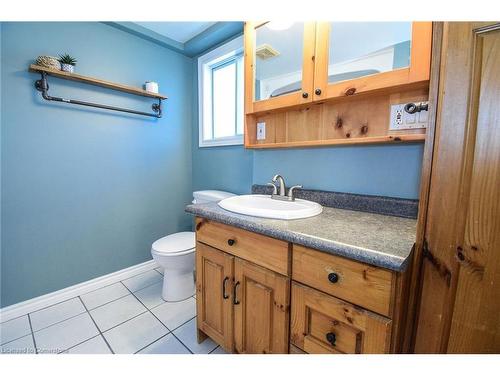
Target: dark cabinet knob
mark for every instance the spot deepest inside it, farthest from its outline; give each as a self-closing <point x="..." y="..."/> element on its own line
<point x="231" y="242"/>
<point x="317" y="91"/>
<point x="331" y="338"/>
<point x="333" y="277"/>
<point x="305" y="95"/>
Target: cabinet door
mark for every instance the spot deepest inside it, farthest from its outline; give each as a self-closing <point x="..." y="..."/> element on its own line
<point x="325" y="324"/>
<point x="459" y="305"/>
<point x="261" y="309"/>
<point x="214" y="275"/>
<point x="355" y="57"/>
<point x="279" y="64"/>
<point x="475" y="327"/>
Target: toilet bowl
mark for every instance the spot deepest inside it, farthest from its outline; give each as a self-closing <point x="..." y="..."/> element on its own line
<point x="175" y="253"/>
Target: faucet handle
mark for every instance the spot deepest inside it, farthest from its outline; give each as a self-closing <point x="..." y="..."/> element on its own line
<point x="291" y="191"/>
<point x="275" y="188"/>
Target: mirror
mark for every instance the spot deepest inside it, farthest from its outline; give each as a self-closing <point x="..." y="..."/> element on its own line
<point x="358" y="49"/>
<point x="278" y="59"/>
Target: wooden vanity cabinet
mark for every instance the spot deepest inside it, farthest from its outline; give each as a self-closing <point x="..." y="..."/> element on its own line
<point x="256" y="294"/>
<point x="321" y="323"/>
<point x="356" y="282"/>
<point x="339" y="305"/>
<point x="241" y="304"/>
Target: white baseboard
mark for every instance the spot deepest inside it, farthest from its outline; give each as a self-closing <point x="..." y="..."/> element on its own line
<point x="25" y="307"/>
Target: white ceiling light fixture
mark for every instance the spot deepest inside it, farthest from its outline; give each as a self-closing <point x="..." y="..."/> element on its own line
<point x="279" y="25"/>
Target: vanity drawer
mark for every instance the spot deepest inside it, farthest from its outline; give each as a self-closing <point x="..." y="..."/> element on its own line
<point x="359" y="283"/>
<point x="264" y="251"/>
<point x="321" y="323"/>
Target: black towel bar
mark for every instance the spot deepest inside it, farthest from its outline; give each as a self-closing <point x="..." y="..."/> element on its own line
<point x="43" y="86"/>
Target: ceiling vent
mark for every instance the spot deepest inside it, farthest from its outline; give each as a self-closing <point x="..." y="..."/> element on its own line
<point x="265" y="51"/>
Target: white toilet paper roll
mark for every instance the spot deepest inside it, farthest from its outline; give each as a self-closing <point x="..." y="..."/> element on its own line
<point x="152" y="87"/>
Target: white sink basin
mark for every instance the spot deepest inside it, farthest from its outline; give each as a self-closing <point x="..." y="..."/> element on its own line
<point x="264" y="206"/>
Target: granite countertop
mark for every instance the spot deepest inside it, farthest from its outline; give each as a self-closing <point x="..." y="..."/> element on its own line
<point x="379" y="240"/>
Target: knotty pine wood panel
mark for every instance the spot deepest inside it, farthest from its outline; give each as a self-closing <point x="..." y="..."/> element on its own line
<point x="262" y="250"/>
<point x="475" y="326"/>
<point x="359" y="283"/>
<point x="357" y="330"/>
<point x="261" y="318"/>
<point x="356" y="118"/>
<point x="442" y="271"/>
<point x="438" y="264"/>
<point x="407" y="333"/>
<point x="214" y="313"/>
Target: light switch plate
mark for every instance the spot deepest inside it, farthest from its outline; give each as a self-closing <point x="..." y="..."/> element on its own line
<point x="400" y="119"/>
<point x="261" y="131"/>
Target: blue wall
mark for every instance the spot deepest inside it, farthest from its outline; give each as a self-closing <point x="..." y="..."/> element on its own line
<point x="85" y="192"/>
<point x="392" y="170"/>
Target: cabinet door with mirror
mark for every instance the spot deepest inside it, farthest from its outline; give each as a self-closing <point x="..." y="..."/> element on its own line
<point x="279" y="64"/>
<point x="355" y="57"/>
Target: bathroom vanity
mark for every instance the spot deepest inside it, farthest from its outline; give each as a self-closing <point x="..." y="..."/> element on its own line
<point x="333" y="283"/>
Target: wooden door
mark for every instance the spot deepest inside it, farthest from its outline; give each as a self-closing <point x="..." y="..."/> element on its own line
<point x="322" y="324"/>
<point x="379" y="60"/>
<point x="261" y="309"/>
<point x="214" y="275"/>
<point x="289" y="85"/>
<point x="460" y="294"/>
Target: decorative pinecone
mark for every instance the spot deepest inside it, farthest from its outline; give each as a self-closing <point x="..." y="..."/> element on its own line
<point x="48" y="62"/>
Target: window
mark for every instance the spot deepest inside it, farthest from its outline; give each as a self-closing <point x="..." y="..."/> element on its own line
<point x="220" y="92"/>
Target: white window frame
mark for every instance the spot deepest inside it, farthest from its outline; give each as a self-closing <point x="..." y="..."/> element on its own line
<point x="205" y="64"/>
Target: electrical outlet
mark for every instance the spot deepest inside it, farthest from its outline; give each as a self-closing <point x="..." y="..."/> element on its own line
<point x="400" y="119"/>
<point x="423" y="116"/>
<point x="261" y="131"/>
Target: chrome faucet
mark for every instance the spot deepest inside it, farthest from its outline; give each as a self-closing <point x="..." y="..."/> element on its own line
<point x="281" y="181"/>
<point x="279" y="192"/>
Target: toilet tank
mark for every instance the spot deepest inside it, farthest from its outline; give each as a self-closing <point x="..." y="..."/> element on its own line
<point x="205" y="196"/>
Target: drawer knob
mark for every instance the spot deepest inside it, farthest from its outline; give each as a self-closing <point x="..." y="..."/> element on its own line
<point x="331" y="338"/>
<point x="333" y="277"/>
<point x="231" y="242"/>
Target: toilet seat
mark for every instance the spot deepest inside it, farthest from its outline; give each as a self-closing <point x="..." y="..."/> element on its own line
<point x="178" y="253"/>
<point x="175" y="244"/>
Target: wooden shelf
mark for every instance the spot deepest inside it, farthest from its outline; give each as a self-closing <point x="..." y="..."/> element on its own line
<point x="95" y="81"/>
<point x="403" y="138"/>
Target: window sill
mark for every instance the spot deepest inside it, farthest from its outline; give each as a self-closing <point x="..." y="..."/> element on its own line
<point x="233" y="141"/>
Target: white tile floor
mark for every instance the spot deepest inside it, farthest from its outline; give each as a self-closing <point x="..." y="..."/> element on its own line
<point x="127" y="317"/>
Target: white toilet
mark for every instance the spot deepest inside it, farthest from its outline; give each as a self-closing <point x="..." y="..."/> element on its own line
<point x="175" y="254"/>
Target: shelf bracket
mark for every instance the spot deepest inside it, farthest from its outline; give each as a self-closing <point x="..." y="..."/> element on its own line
<point x="43" y="86"/>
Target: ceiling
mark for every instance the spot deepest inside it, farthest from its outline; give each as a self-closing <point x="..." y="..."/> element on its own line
<point x="179" y="31"/>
